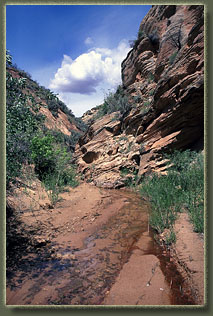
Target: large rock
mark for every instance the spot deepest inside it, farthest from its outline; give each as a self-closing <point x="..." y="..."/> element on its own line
<point x="175" y="116"/>
<point x="163" y="75"/>
<point x="105" y="155"/>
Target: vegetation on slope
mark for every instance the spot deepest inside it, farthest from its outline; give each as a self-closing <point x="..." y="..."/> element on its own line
<point x="29" y="142"/>
<point x="182" y="189"/>
<point x="114" y="102"/>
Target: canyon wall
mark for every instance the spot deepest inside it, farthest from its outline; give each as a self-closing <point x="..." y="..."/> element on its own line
<point x="163" y="77"/>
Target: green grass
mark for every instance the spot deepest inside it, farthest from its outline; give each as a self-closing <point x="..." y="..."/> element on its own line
<point x="182" y="189"/>
<point x="170" y="238"/>
<point x="57" y="182"/>
<point x="164" y="201"/>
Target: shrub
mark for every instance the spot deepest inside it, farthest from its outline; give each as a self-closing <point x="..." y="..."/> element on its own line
<point x="102" y="111"/>
<point x="141" y="149"/>
<point x="73" y="139"/>
<point x="147" y="103"/>
<point x="8" y="58"/>
<point x="43" y="155"/>
<point x="114" y="102"/>
<point x="81" y="125"/>
<point x="141" y="34"/>
<point x="21" y="125"/>
<point x="52" y="164"/>
<point x="137" y="98"/>
<point x="134" y="43"/>
<point x="129" y="147"/>
<point x="68" y="141"/>
<point x="146" y="107"/>
<point x="154" y="38"/>
<point x="29" y="141"/>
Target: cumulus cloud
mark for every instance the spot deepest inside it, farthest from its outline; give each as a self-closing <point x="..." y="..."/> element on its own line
<point x="98" y="66"/>
<point x="80" y="103"/>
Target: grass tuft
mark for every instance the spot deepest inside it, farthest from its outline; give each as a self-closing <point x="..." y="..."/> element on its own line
<point x="181" y="189"/>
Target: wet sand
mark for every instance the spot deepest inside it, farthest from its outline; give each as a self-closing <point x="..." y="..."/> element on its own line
<point x="93" y="248"/>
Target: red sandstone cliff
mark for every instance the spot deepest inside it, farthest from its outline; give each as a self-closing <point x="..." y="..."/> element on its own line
<point x="164" y="74"/>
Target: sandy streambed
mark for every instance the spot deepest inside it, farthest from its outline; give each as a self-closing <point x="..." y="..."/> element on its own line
<point x="93" y="248"/>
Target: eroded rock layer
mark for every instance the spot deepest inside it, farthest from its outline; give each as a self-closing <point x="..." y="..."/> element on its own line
<point x="163" y="76"/>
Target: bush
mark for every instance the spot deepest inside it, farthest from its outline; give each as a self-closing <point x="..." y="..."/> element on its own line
<point x="21" y="125"/>
<point x="154" y="38"/>
<point x="8" y="58"/>
<point x="68" y="141"/>
<point x="43" y="155"/>
<point x="170" y="238"/>
<point x="141" y="34"/>
<point x="52" y="164"/>
<point x="151" y="93"/>
<point x="80" y="124"/>
<point x="114" y="102"/>
<point x="73" y="139"/>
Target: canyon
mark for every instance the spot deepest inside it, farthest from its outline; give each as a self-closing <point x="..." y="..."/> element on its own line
<point x="94" y="245"/>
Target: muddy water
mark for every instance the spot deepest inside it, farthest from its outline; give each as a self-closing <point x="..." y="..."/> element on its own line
<point x="68" y="275"/>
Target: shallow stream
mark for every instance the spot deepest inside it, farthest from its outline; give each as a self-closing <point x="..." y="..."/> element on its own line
<point x="83" y="276"/>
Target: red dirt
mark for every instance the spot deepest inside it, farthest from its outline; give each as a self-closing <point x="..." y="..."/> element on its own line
<point x="93" y="248"/>
<point x="189" y="254"/>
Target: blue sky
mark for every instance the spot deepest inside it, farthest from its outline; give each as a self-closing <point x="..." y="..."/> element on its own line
<point x="75" y="50"/>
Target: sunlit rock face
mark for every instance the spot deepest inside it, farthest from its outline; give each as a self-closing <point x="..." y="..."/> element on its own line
<point x="163" y="75"/>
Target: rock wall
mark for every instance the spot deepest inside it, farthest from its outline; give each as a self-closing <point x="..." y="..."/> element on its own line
<point x="163" y="75"/>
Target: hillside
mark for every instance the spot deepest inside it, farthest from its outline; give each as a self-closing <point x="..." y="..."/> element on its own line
<point x="57" y="114"/>
<point x="158" y="108"/>
<point x="35" y="112"/>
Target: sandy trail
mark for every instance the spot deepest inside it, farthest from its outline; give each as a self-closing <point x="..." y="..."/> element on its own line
<point x="93" y="248"/>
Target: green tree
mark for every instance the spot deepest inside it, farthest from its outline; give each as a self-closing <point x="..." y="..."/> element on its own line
<point x="43" y="155"/>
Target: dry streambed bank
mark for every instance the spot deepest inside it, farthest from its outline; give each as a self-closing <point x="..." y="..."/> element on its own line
<point x="94" y="248"/>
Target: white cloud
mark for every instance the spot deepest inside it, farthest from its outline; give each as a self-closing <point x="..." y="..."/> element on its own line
<point x="98" y="67"/>
<point x="79" y="103"/>
<point x="88" y="41"/>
